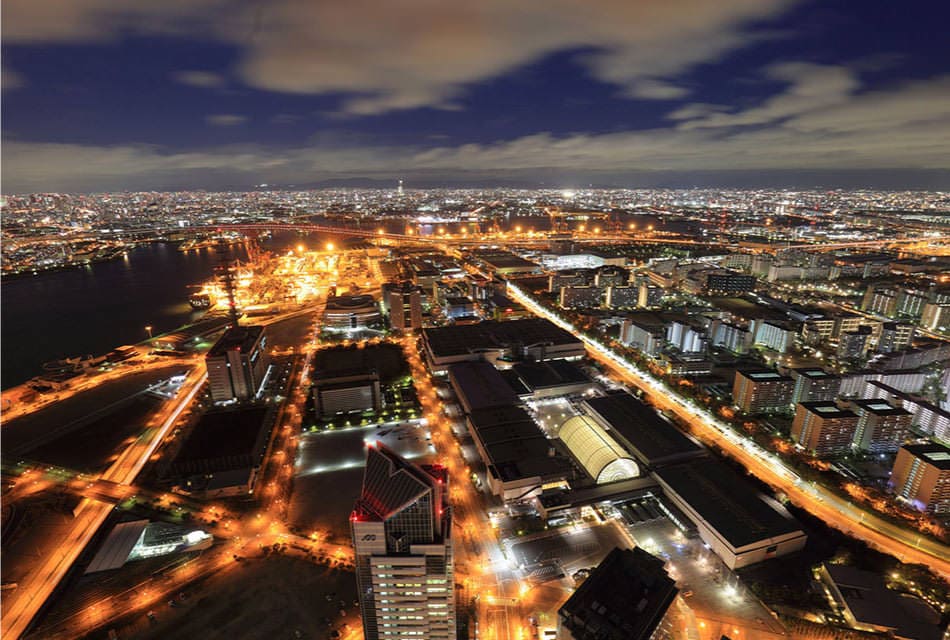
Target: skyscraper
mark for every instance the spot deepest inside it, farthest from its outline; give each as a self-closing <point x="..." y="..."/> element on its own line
<point x="401" y="526"/>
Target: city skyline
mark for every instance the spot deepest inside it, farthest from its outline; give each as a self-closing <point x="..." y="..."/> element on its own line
<point x="220" y="94"/>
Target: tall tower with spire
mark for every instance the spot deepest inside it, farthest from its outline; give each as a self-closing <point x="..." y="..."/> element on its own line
<point x="399" y="191"/>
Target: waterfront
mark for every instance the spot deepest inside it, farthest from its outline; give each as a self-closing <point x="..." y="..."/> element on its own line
<point x="96" y="308"/>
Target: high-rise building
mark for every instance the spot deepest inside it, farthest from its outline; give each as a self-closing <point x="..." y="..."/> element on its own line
<point x="584" y="297"/>
<point x="814" y="384"/>
<point x="762" y="391"/>
<point x="895" y="336"/>
<point x="935" y="316"/>
<point x="237" y="364"/>
<point x="402" y="541"/>
<point x="649" y="296"/>
<point x="824" y="428"/>
<point x="882" y="426"/>
<point x="853" y="345"/>
<point x="921" y="475"/>
<point x="405" y="306"/>
<point x="776" y="336"/>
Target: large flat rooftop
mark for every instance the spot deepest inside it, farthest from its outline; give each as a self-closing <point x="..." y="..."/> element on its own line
<point x="240" y="338"/>
<point x="488" y="335"/>
<point x="480" y="385"/>
<point x="641" y="429"/>
<point x="552" y="373"/>
<point x="729" y="503"/>
<point x="515" y="445"/>
<point x="223" y="440"/>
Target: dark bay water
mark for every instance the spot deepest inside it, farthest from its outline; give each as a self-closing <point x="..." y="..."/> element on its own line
<point x="96" y="308"/>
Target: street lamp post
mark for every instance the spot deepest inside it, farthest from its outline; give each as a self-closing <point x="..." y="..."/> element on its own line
<point x="148" y="329"/>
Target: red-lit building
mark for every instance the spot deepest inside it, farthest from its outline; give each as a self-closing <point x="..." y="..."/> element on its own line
<point x="402" y="539"/>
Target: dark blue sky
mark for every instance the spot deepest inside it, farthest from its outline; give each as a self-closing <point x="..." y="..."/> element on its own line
<point x="227" y="93"/>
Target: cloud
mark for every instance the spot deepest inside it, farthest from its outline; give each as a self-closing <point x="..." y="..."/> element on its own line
<point x="811" y="87"/>
<point x="656" y="90"/>
<point x="73" y="21"/>
<point x="906" y="127"/>
<point x="10" y="79"/>
<point x="386" y="56"/>
<point x="225" y="119"/>
<point x="202" y="79"/>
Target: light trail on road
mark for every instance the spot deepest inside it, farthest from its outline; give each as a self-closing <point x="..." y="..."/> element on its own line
<point x="906" y="545"/>
<point x="37" y="588"/>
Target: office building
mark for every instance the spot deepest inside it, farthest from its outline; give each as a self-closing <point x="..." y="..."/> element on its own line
<point x="237" y="364"/>
<point x="813" y="384"/>
<point x="625" y="598"/>
<point x="882" y="426"/>
<point x="824" y="428"/>
<point x="405" y="306"/>
<point x="921" y="476"/>
<point x="762" y="391"/>
<point x="402" y="543"/>
<point x="347" y="392"/>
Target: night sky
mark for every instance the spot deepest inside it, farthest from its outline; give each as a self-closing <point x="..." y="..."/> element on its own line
<point x="165" y="94"/>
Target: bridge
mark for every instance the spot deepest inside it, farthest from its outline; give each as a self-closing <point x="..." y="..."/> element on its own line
<point x="517" y="238"/>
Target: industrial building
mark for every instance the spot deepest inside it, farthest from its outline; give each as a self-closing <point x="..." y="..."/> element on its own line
<point x="652" y="440"/>
<point x="223" y="453"/>
<point x="741" y="526"/>
<point x="551" y="378"/>
<point x="596" y="451"/>
<point x="402" y="542"/>
<point x="237" y="364"/>
<point x="527" y="339"/>
<point x="518" y="457"/>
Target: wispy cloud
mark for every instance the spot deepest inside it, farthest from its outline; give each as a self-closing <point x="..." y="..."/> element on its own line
<point x="225" y="119"/>
<point x="390" y="56"/>
<point x="201" y="79"/>
<point x="906" y="127"/>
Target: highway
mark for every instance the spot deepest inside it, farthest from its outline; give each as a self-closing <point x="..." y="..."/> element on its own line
<point x="902" y="543"/>
<point x="22" y="605"/>
<point x="486" y="572"/>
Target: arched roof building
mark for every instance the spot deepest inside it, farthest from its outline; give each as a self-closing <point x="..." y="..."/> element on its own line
<point x="599" y="454"/>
